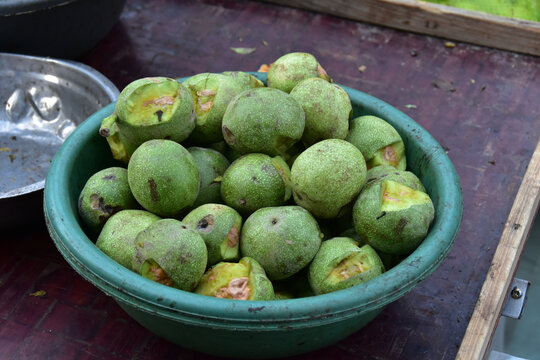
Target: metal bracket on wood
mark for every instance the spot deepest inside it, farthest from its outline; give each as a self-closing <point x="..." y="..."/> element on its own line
<point x="517" y="296"/>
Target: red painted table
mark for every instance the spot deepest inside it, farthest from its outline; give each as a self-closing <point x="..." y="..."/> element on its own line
<point x="481" y="104"/>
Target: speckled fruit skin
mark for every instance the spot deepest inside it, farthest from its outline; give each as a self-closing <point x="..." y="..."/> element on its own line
<point x="331" y="255"/>
<point x="392" y="232"/>
<point x="371" y="134"/>
<point x="211" y="94"/>
<point x="388" y="172"/>
<point x="263" y="120"/>
<point x="327" y="176"/>
<point x="290" y="69"/>
<point x="221" y="274"/>
<point x="170" y="115"/>
<point x="177" y="249"/>
<point x="255" y="181"/>
<point x="389" y="260"/>
<point x="327" y="107"/>
<point x="104" y="194"/>
<point x="247" y="80"/>
<point x="211" y="166"/>
<point x="117" y="238"/>
<point x="163" y="177"/>
<point x="219" y="226"/>
<point x="283" y="239"/>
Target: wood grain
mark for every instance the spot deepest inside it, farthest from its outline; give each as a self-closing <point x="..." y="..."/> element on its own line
<point x="477" y="339"/>
<point x="434" y="19"/>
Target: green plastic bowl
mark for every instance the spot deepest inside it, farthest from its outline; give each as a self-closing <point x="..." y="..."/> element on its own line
<point x="250" y="329"/>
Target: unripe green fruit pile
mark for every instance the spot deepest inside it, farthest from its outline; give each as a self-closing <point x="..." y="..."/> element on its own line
<point x="236" y="190"/>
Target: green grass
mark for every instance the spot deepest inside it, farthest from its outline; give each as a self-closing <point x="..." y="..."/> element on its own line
<point x="519" y="9"/>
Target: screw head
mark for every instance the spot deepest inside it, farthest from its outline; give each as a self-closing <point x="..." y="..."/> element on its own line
<point x="516" y="293"/>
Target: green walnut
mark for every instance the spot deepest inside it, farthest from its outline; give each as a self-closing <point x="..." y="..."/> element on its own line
<point x="283" y="239"/>
<point x="117" y="238"/>
<point x="219" y="226"/>
<point x="327" y="107"/>
<point x="391" y="217"/>
<point x="148" y="108"/>
<point x="104" y="194"/>
<point x="163" y="177"/>
<point x="263" y="120"/>
<point x="327" y="176"/>
<point x="245" y="280"/>
<point x="389" y="260"/>
<point x="388" y="172"/>
<point x="255" y="181"/>
<point x="290" y="69"/>
<point x="378" y="141"/>
<point x="170" y="253"/>
<point x="341" y="263"/>
<point x="246" y="80"/>
<point x="211" y="94"/>
<point x="211" y="166"/>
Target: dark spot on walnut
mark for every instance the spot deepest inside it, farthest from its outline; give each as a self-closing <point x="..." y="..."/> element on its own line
<point x="105" y="132"/>
<point x="98" y="203"/>
<point x="184" y="257"/>
<point x="401" y="225"/>
<point x="274" y="221"/>
<point x="109" y="177"/>
<point x="229" y="136"/>
<point x="203" y="223"/>
<point x="159" y="114"/>
<point x="154" y="194"/>
<point x="381" y="215"/>
<point x="268" y="169"/>
<point x="206" y="224"/>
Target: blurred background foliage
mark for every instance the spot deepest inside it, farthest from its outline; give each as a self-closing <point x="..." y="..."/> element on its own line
<point x="519" y="9"/>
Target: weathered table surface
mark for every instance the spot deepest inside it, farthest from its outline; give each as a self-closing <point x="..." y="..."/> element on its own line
<point x="481" y="104"/>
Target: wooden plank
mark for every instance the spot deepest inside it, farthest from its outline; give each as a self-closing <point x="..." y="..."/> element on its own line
<point x="487" y="312"/>
<point x="434" y="19"/>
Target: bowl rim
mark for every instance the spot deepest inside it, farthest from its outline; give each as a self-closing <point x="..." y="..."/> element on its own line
<point x="132" y="289"/>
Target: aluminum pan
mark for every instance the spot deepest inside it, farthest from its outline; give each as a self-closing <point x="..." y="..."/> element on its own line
<point x="16" y="7"/>
<point x="42" y="101"/>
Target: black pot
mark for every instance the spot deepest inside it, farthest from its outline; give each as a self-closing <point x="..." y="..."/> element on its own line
<point x="56" y="28"/>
